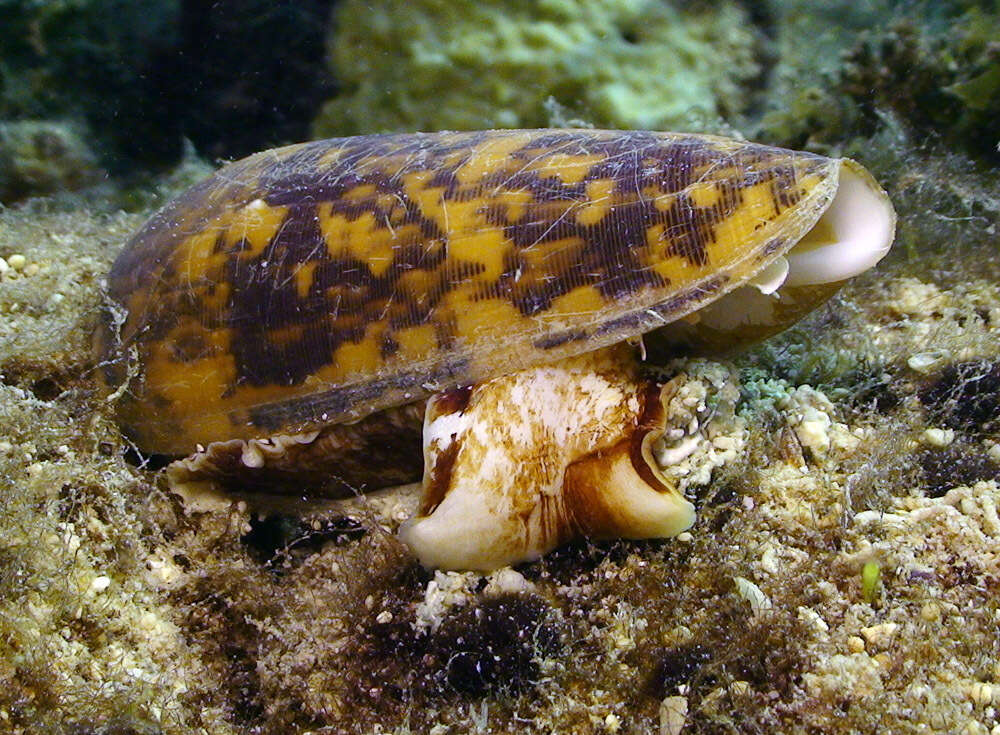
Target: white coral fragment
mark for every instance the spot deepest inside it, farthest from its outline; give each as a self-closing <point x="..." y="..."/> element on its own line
<point x="759" y="602"/>
<point x="810" y="416"/>
<point x="702" y="431"/>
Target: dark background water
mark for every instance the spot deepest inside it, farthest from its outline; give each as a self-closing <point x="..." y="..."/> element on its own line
<point x="232" y="77"/>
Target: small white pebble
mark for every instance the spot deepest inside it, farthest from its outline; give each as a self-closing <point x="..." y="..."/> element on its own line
<point x="673" y="715"/>
<point x="930" y="611"/>
<point x="32" y="269"/>
<point x="99" y="584"/>
<point x="370" y="602"/>
<point x="507" y="581"/>
<point x="684" y="536"/>
<point x="855" y="644"/>
<point x="925" y="362"/>
<point x="677" y="635"/>
<point x="739" y="688"/>
<point x="981" y="694"/>
<point x="752" y="594"/>
<point x="769" y="560"/>
<point x="612" y="723"/>
<point x="991" y="521"/>
<point x="17" y="261"/>
<point x="880" y="635"/>
<point x="813" y="619"/>
<point x="5" y="446"/>
<point x="813" y="433"/>
<point x="882" y="659"/>
<point x="4" y="266"/>
<point x="876" y="516"/>
<point x="383" y="617"/>
<point x="938" y="437"/>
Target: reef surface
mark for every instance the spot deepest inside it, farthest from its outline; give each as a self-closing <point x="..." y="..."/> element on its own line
<point x="844" y="571"/>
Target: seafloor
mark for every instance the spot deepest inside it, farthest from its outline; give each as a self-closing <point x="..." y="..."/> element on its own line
<point x="844" y="572"/>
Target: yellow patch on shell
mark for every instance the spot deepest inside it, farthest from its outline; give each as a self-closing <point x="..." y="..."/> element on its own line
<point x="337" y="278"/>
<point x="254" y="226"/>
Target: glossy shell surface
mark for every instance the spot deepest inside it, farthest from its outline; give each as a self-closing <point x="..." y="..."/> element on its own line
<point x="322" y="282"/>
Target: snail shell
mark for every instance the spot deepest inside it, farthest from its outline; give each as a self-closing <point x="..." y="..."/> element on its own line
<point x="321" y="283"/>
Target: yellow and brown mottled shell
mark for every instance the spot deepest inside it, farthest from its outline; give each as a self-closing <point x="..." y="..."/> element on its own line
<point x="322" y="282"/>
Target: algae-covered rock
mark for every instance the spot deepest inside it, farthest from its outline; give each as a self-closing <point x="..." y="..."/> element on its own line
<point x="941" y="82"/>
<point x="40" y="157"/>
<point x="910" y="96"/>
<point x="810" y="37"/>
<point x="432" y="65"/>
<point x="88" y="642"/>
<point x="91" y="60"/>
<point x="933" y="69"/>
<point x="145" y="75"/>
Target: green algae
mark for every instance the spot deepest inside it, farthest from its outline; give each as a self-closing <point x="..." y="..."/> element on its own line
<point x="433" y="65"/>
<point x="871" y="575"/>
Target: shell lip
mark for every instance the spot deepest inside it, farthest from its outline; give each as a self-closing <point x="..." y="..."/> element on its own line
<point x="854" y="232"/>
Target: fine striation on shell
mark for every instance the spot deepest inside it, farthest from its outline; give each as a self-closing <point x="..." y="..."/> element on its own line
<point x="323" y="282"/>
